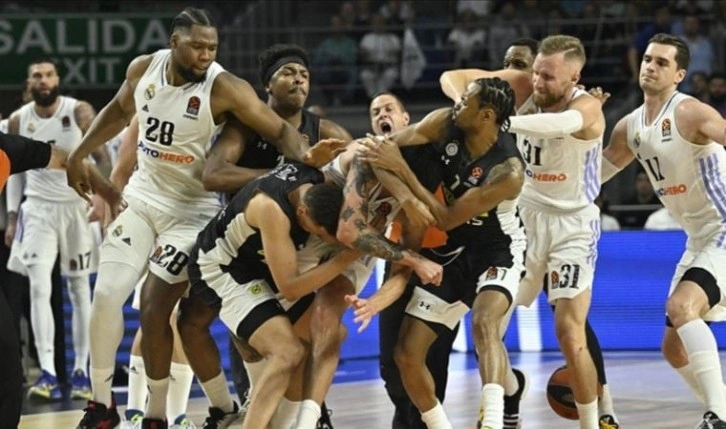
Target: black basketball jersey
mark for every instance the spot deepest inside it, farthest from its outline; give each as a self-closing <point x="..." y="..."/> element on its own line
<point x="230" y="242"/>
<point x="459" y="173"/>
<point x="263" y="154"/>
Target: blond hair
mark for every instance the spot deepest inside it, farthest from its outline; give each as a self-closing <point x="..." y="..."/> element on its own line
<point x="571" y="46"/>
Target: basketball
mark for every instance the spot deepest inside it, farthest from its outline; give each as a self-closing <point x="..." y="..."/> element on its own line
<point x="560" y="396"/>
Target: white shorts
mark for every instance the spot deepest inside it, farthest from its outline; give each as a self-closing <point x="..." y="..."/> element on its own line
<point x="46" y="228"/>
<point x="315" y="250"/>
<point x="713" y="260"/>
<point x="144" y="236"/>
<point x="564" y="248"/>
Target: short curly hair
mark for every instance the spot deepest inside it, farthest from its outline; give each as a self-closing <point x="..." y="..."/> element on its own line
<point x="270" y="56"/>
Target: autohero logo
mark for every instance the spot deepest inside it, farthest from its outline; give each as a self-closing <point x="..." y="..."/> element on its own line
<point x="669" y="191"/>
<point x="545" y="177"/>
<point x="165" y="156"/>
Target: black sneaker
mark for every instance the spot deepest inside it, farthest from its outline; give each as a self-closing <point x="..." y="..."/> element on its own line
<point x="608" y="422"/>
<point x="154" y="424"/>
<point x="511" y="403"/>
<point x="711" y="421"/>
<point x="218" y="419"/>
<point x="98" y="416"/>
<point x="324" y="422"/>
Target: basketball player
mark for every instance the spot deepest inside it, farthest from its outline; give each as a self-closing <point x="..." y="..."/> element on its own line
<point x="54" y="220"/>
<point x="180" y="95"/>
<point x="245" y="260"/>
<point x="520" y="56"/>
<point x="181" y="375"/>
<point x="481" y="172"/>
<point x="678" y="141"/>
<point x="388" y="115"/>
<point x="240" y="155"/>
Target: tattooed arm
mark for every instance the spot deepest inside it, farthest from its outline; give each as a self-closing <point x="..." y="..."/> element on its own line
<point x="355" y="232"/>
<point x="504" y="182"/>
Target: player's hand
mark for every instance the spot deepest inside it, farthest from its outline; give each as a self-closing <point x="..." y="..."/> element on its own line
<point x="417" y="212"/>
<point x="77" y="176"/>
<point x="363" y="309"/>
<point x="382" y="153"/>
<point x="428" y="271"/>
<point x="97" y="209"/>
<point x="116" y="204"/>
<point x="323" y="152"/>
<point x="598" y="93"/>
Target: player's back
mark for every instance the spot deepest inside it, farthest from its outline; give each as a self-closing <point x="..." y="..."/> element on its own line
<point x="229" y="239"/>
<point x="689" y="179"/>
<point x="176" y="127"/>
<point x="60" y="130"/>
<point x="562" y="174"/>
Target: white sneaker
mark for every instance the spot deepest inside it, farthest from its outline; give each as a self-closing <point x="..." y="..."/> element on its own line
<point x="182" y="422"/>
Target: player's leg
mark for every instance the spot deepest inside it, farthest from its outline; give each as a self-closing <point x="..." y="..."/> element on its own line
<point x="327" y="334"/>
<point x="697" y="292"/>
<point x="77" y="246"/>
<point x="495" y="292"/>
<point x="164" y="286"/>
<point x="195" y="317"/>
<point x="181" y="376"/>
<point x="410" y="352"/>
<point x="136" y="399"/>
<point x="123" y="259"/>
<point x="38" y="251"/>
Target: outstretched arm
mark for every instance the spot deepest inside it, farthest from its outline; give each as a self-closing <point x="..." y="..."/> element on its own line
<point x="580" y="115"/>
<point x="454" y="82"/>
<point x="431" y="128"/>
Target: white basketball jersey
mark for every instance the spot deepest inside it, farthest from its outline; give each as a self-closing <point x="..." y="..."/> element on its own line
<point x="689" y="179"/>
<point x="60" y="130"/>
<point x="4" y="126"/>
<point x="175" y="129"/>
<point x="113" y="146"/>
<point x="562" y="174"/>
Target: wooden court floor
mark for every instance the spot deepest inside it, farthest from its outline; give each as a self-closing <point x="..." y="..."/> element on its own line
<point x="647" y="392"/>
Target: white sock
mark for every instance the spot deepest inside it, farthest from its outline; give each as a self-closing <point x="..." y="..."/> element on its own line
<point x="101" y="379"/>
<point x="492" y="402"/>
<point x="704" y="362"/>
<point x="41" y="315"/>
<point x="605" y="404"/>
<point x="511" y="384"/>
<point x="137" y="384"/>
<point x="435" y="418"/>
<point x="181" y="376"/>
<point x="286" y="414"/>
<point x="309" y="415"/>
<point x="79" y="291"/>
<point x="158" y="389"/>
<point x="588" y="415"/>
<point x="687" y="375"/>
<point x="254" y="371"/>
<point x="218" y="394"/>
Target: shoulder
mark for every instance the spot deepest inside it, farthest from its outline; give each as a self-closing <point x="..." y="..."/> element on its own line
<point x="691" y="113"/>
<point x="139" y="65"/>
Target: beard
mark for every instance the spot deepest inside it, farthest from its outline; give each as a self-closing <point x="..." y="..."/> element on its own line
<point x="188" y="74"/>
<point x="546" y="100"/>
<point x="45" y="100"/>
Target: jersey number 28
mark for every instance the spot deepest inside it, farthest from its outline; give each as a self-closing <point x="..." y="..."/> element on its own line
<point x="162" y="131"/>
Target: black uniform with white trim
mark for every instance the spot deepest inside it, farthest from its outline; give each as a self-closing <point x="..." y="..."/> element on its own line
<point x="485" y="252"/>
<point x="227" y="267"/>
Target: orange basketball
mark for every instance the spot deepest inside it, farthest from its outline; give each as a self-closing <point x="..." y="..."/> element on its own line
<point x="560" y="396"/>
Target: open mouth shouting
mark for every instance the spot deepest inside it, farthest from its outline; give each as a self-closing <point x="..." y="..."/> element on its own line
<point x="386" y="127"/>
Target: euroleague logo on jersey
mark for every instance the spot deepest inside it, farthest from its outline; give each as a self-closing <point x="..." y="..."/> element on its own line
<point x="193" y="105"/>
